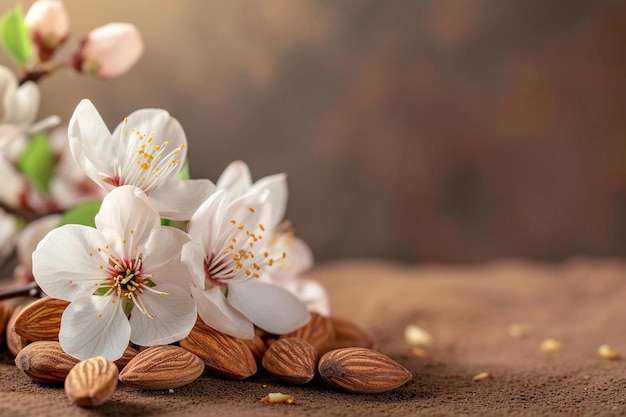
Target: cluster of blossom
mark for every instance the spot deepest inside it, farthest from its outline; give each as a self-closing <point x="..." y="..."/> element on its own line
<point x="38" y="172"/>
<point x="165" y="249"/>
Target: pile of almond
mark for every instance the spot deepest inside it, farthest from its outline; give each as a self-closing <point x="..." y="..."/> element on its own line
<point x="335" y="349"/>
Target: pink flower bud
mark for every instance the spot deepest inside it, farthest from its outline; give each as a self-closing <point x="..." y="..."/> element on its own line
<point x="49" y="25"/>
<point x="109" y="50"/>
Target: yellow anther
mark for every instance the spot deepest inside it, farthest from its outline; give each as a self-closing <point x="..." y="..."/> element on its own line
<point x="251" y="209"/>
<point x="262" y="228"/>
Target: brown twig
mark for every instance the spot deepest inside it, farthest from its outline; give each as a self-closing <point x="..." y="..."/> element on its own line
<point x="31" y="289"/>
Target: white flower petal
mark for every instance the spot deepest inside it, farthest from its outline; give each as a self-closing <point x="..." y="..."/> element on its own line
<point x="277" y="196"/>
<point x="298" y="260"/>
<point x="66" y="263"/>
<point x="157" y="123"/>
<point x="215" y="312"/>
<point x="92" y="146"/>
<point x="205" y="224"/>
<point x="45" y="124"/>
<point x="126" y="214"/>
<point x="162" y="256"/>
<point x="25" y="105"/>
<point x="94" y="326"/>
<point x="178" y="199"/>
<point x="13" y="183"/>
<point x="235" y="179"/>
<point x="313" y="295"/>
<point x="172" y="316"/>
<point x="268" y="306"/>
<point x="31" y="235"/>
<point x="251" y="211"/>
<point x="192" y="256"/>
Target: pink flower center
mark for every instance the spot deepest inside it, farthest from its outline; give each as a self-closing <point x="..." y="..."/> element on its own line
<point x="126" y="276"/>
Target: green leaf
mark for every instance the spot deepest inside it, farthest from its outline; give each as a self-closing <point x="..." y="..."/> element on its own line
<point x="84" y="213"/>
<point x="102" y="291"/>
<point x="184" y="171"/>
<point x="38" y="162"/>
<point x="165" y="222"/>
<point x="14" y="36"/>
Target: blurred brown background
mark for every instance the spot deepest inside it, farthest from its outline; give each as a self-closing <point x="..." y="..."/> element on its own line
<point x="442" y="130"/>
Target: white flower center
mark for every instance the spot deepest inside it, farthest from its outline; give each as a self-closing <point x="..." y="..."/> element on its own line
<point x="243" y="251"/>
<point x="127" y="280"/>
<point x="127" y="276"/>
<point x="147" y="164"/>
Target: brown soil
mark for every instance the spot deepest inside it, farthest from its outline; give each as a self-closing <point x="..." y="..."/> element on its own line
<point x="581" y="303"/>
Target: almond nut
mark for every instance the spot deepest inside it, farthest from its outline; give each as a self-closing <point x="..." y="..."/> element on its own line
<point x="318" y="331"/>
<point x="291" y="360"/>
<point x="162" y="367"/>
<point x="6" y="311"/>
<point x="45" y="361"/>
<point x="128" y="354"/>
<point x="362" y="371"/>
<point x="15" y="342"/>
<point x="223" y="355"/>
<point x="277" y="398"/>
<point x="257" y="347"/>
<point x="41" y="320"/>
<point x="91" y="382"/>
<point x="348" y="334"/>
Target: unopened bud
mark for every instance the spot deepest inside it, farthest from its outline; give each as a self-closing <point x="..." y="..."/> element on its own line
<point x="109" y="51"/>
<point x="49" y="25"/>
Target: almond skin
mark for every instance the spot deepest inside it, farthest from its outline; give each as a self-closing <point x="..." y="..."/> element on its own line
<point x="6" y="311"/>
<point x="162" y="367"/>
<point x="257" y="347"/>
<point x="45" y="362"/>
<point x="41" y="320"/>
<point x="348" y="334"/>
<point x="91" y="382"/>
<point x="15" y="342"/>
<point x="128" y="354"/>
<point x="223" y="355"/>
<point x="362" y="371"/>
<point x="291" y="360"/>
<point x="318" y="331"/>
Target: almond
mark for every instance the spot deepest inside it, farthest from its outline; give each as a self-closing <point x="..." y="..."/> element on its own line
<point x="128" y="354"/>
<point x="291" y="360"/>
<point x="223" y="355"/>
<point x="41" y="320"/>
<point x="15" y="342"/>
<point x="362" y="371"/>
<point x="91" y="382"/>
<point x="45" y="361"/>
<point x="348" y="334"/>
<point x="257" y="347"/>
<point x="162" y="367"/>
<point x="318" y="331"/>
<point x="6" y="311"/>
